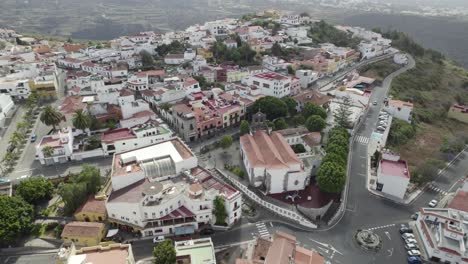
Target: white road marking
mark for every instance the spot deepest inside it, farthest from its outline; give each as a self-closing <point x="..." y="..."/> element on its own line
<point x="324" y="250"/>
<point x="388" y="235"/>
<point x="390" y="252"/>
<point x="362" y="139"/>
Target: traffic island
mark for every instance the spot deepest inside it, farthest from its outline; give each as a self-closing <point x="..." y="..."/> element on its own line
<point x="368" y="240"/>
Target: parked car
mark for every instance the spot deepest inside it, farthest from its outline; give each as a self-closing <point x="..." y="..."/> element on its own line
<point x="22" y="177"/>
<point x="11" y="148"/>
<point x="382" y="128"/>
<point x="411" y="247"/>
<point x="405" y="229"/>
<point x="4" y="180"/>
<point x="415" y="216"/>
<point x="158" y="239"/>
<point x="383" y="123"/>
<point x="433" y="203"/>
<point x="33" y="138"/>
<point x="206" y="231"/>
<point x="407" y="236"/>
<point x="411" y="241"/>
<point x="414" y="260"/>
<point x="414" y="252"/>
<point x="374" y="103"/>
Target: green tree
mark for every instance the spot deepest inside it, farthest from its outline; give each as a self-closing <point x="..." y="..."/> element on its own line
<point x="75" y="192"/>
<point x="315" y="123"/>
<point x="298" y="120"/>
<point x="271" y="106"/>
<point x="165" y="106"/>
<point x="35" y="190"/>
<point x="146" y="58"/>
<point x="219" y="210"/>
<point x="16" y="217"/>
<point x="204" y="84"/>
<point x="280" y="124"/>
<point x="291" y="70"/>
<point x="427" y="171"/>
<point x="312" y="109"/>
<point x="336" y="158"/>
<point x="400" y="132"/>
<point x="164" y="253"/>
<point x="331" y="177"/>
<point x="47" y="151"/>
<point x="226" y="141"/>
<point x="10" y="158"/>
<point x="298" y="148"/>
<point x="22" y="127"/>
<point x="92" y="177"/>
<point x="338" y="149"/>
<point x="322" y="32"/>
<point x="276" y="50"/>
<point x="343" y="113"/>
<point x="73" y="195"/>
<point x="82" y="120"/>
<point x="291" y="104"/>
<point x="50" y="116"/>
<point x="244" y="127"/>
<point x="17" y="138"/>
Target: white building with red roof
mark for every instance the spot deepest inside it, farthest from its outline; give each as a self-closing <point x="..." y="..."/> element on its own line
<point x="271" y="162"/>
<point x="443" y="233"/>
<point x="393" y="175"/>
<point x="159" y="190"/>
<point x="400" y="109"/>
<point x="271" y="83"/>
<point x="125" y="139"/>
<point x="61" y="144"/>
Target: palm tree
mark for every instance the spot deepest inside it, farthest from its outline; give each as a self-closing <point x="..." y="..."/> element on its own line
<point x="22" y="126"/>
<point x="47" y="151"/>
<point x="17" y="138"/>
<point x="82" y="120"/>
<point x="50" y="116"/>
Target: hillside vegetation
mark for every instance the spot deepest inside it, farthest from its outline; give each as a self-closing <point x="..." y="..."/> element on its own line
<point x="432" y="86"/>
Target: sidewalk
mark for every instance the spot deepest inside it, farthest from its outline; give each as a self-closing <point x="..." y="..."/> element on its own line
<point x="417" y="235"/>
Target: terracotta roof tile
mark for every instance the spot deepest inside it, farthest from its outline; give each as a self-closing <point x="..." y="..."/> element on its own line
<point x="92" y="206"/>
<point x="82" y="229"/>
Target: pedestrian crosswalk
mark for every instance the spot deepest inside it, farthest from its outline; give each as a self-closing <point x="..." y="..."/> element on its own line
<point x="262" y="230"/>
<point x="437" y="189"/>
<point x="362" y="139"/>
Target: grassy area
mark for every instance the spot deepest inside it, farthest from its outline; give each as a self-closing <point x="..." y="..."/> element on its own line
<point x="432" y="87"/>
<point x="379" y="70"/>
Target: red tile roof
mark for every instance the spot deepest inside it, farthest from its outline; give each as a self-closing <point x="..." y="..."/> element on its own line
<point x="72" y="103"/>
<point x="117" y="135"/>
<point x="151" y="73"/>
<point x="73" y="47"/>
<point x="395" y="168"/>
<point x="126" y="92"/>
<point x="271" y="76"/>
<point x="178" y="213"/>
<point x="271" y="151"/>
<point x="82" y="229"/>
<point x="92" y="206"/>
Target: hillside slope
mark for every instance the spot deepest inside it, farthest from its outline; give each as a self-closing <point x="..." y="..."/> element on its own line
<point x="433" y="86"/>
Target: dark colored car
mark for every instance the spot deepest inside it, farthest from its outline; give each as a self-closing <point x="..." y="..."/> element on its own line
<point x="11" y="148"/>
<point x="206" y="231"/>
<point x="404" y="230"/>
<point x="414" y="260"/>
